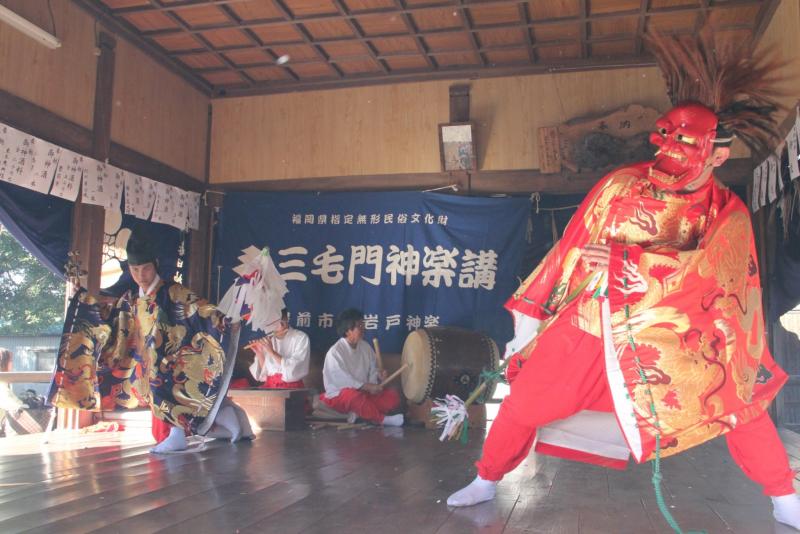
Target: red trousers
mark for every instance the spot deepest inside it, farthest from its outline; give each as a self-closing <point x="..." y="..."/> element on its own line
<point x="273" y="382"/>
<point x="160" y="429"/>
<point x="370" y="407"/>
<point x="550" y="386"/>
<point x="276" y="382"/>
<point x="240" y="383"/>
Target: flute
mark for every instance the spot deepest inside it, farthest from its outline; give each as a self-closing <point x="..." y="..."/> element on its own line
<point x="252" y="344"/>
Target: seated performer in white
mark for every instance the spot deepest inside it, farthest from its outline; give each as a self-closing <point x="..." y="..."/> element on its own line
<point x="282" y="358"/>
<point x="351" y="376"/>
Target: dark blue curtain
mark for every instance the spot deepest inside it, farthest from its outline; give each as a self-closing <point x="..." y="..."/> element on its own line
<point x="41" y="223"/>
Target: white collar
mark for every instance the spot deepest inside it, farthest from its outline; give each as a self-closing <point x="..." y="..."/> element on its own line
<point x="150" y="289"/>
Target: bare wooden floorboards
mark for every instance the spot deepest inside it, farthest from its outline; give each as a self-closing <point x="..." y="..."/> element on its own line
<point x="358" y="481"/>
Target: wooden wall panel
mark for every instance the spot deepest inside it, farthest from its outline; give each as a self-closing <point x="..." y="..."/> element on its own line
<point x="509" y="111"/>
<point x="362" y="131"/>
<point x="782" y="35"/>
<point x="62" y="80"/>
<point x="157" y="113"/>
<point x="392" y="129"/>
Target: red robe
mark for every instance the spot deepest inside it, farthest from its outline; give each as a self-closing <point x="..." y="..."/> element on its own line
<point x="683" y="310"/>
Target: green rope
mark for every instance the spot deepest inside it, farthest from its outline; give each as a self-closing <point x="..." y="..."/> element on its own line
<point x="464" y="434"/>
<point x="657" y="476"/>
<point x="492" y="375"/>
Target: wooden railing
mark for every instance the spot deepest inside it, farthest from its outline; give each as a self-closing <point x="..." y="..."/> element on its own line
<point x="67" y="419"/>
<point x="33" y="377"/>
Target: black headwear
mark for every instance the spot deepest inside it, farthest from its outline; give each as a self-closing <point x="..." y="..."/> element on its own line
<point x="141" y="247"/>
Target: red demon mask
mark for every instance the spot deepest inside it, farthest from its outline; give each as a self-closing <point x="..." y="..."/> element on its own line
<point x="684" y="137"/>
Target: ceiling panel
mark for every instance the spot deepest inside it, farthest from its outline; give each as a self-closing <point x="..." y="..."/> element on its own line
<point x="231" y="46"/>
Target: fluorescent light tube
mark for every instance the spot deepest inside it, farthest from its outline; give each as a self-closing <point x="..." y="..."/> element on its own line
<point x="28" y="28"/>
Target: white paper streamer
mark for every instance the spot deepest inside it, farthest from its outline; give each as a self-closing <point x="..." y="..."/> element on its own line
<point x="754" y="203"/>
<point x="772" y="191"/>
<point x="18" y="159"/>
<point x="762" y="198"/>
<point x="194" y="210"/>
<point x="791" y="143"/>
<point x="69" y="171"/>
<point x="43" y="168"/>
<point x="165" y="205"/>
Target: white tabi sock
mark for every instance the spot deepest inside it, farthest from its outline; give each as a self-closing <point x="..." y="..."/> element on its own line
<point x="479" y="490"/>
<point x="226" y="417"/>
<point x="176" y="441"/>
<point x="392" y="420"/>
<point x="786" y="510"/>
<point x="244" y="422"/>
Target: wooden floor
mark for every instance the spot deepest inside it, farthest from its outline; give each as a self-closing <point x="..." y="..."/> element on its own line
<point x="353" y="481"/>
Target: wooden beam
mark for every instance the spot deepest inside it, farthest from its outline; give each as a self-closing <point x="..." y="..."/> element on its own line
<point x="138" y="163"/>
<point x="88" y="220"/>
<point x="702" y="16"/>
<point x="208" y="46"/>
<point x="132" y="35"/>
<point x="197" y="277"/>
<point x="412" y="28"/>
<point x="411" y="53"/>
<point x="459" y="103"/>
<point x="441" y="74"/>
<point x="764" y="17"/>
<point x="44" y="124"/>
<point x="641" y="26"/>
<point x="513" y="182"/>
<point x="410" y="10"/>
<point x="584" y="28"/>
<point x="355" y="27"/>
<point x="25" y="377"/>
<point x="445" y="31"/>
<point x="469" y="25"/>
<point x="254" y="38"/>
<point x="301" y="29"/>
<point x="525" y="17"/>
<point x="175" y="4"/>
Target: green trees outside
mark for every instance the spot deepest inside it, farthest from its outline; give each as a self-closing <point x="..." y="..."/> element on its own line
<point x="31" y="297"/>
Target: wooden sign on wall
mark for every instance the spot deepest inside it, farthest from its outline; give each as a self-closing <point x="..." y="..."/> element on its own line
<point x="598" y="142"/>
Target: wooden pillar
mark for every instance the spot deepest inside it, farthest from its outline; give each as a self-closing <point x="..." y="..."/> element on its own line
<point x="200" y="240"/>
<point x="459" y="103"/>
<point x="199" y="254"/>
<point x="459" y="112"/>
<point x="88" y="220"/>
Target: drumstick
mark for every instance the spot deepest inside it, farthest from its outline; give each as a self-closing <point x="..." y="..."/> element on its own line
<point x="378" y="354"/>
<point x="394" y="375"/>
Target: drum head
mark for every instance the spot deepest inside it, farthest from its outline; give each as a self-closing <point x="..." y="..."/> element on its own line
<point x="417" y="378"/>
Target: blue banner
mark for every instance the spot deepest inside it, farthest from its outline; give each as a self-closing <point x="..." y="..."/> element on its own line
<point x="407" y="260"/>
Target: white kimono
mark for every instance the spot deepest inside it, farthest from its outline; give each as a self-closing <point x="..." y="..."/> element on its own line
<point x="294" y="349"/>
<point x="346" y="367"/>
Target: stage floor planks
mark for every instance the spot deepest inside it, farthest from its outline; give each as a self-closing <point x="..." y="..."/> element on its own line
<point x="355" y="481"/>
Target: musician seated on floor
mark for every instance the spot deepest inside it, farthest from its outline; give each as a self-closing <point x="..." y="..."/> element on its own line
<point x="351" y="376"/>
<point x="282" y="358"/>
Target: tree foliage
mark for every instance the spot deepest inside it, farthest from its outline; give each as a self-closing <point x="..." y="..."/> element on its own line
<point x="31" y="297"/>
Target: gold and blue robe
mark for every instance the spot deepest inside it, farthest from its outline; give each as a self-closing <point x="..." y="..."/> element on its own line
<point x="163" y="351"/>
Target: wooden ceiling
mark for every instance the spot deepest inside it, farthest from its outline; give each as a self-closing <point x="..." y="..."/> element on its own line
<point x="232" y="47"/>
